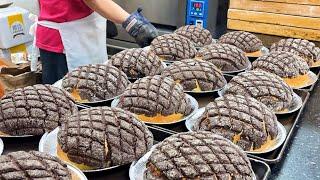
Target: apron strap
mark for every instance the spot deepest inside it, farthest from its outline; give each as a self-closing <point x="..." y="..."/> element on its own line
<point x="49" y="24"/>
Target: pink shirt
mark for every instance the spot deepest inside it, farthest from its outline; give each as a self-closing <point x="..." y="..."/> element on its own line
<point x="58" y="11"/>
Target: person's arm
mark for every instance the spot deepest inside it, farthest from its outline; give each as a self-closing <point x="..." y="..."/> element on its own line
<point x="108" y="9"/>
<point x="135" y="24"/>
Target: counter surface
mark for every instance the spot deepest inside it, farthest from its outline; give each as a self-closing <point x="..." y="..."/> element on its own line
<point x="302" y="158"/>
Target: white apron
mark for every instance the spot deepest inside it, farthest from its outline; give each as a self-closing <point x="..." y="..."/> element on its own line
<point x="84" y="40"/>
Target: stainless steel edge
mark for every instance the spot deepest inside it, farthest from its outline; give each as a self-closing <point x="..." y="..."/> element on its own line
<point x="267" y="174"/>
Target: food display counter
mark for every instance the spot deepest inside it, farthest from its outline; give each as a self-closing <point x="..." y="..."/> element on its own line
<point x="191" y="105"/>
<point x="300" y="153"/>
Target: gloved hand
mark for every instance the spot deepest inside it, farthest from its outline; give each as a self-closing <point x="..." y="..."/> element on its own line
<point x="140" y="28"/>
<point x="111" y="29"/>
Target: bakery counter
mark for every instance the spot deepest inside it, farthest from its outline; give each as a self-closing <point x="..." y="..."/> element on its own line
<point x="301" y="160"/>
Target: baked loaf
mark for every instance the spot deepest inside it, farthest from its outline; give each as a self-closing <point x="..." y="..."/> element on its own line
<point x="198" y="155"/>
<point x="199" y="36"/>
<point x="154" y="95"/>
<point x="96" y="82"/>
<point x="246" y="41"/>
<point x="243" y="120"/>
<point x="102" y="137"/>
<point x="173" y="47"/>
<point x="283" y="64"/>
<point x="196" y="74"/>
<point x="226" y="57"/>
<point x="137" y="63"/>
<point x="32" y="165"/>
<point x="267" y="88"/>
<point x="301" y="47"/>
<point x="34" y="110"/>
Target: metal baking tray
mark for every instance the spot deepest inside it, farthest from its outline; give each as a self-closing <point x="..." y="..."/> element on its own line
<point x="315" y="70"/>
<point x="26" y="143"/>
<point x="289" y="121"/>
<point x="261" y="169"/>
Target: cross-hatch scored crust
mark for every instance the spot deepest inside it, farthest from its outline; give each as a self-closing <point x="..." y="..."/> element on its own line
<point x="190" y="72"/>
<point x="198" y="35"/>
<point x="283" y="64"/>
<point x="267" y="88"/>
<point x="154" y="95"/>
<point x="96" y="82"/>
<point x="236" y="115"/>
<point x="34" y="110"/>
<point x="225" y="56"/>
<point x="137" y="62"/>
<point x="85" y="136"/>
<point x="32" y="165"/>
<point x="244" y="40"/>
<point x="301" y="47"/>
<point x="173" y="47"/>
<point x="198" y="155"/>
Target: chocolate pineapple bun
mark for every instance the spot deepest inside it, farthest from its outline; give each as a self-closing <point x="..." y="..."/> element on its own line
<point x="226" y="57"/>
<point x="102" y="137"/>
<point x="198" y="155"/>
<point x="243" y="120"/>
<point x="156" y="99"/>
<point x="246" y="41"/>
<point x="34" y="110"/>
<point x="291" y="68"/>
<point x="301" y="47"/>
<point x="33" y="165"/>
<point x="195" y="75"/>
<point x="95" y="82"/>
<point x="137" y="63"/>
<point x="173" y="47"/>
<point x="199" y="36"/>
<point x="267" y="88"/>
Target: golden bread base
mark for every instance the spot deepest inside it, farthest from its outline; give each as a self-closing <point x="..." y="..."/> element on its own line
<point x="64" y="157"/>
<point x="299" y="81"/>
<point x="255" y="54"/>
<point x="76" y="95"/>
<point x="160" y="118"/>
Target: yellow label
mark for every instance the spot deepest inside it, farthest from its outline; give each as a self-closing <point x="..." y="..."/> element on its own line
<point x="18" y="49"/>
<point x="16" y="24"/>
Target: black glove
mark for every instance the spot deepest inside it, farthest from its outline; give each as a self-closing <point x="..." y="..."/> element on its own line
<point x="111" y="30"/>
<point x="140" y="28"/>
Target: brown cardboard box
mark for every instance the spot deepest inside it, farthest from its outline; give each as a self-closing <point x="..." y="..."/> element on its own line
<point x="15" y="76"/>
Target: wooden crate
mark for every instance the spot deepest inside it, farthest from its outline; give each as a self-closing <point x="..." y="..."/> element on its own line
<point x="289" y="18"/>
